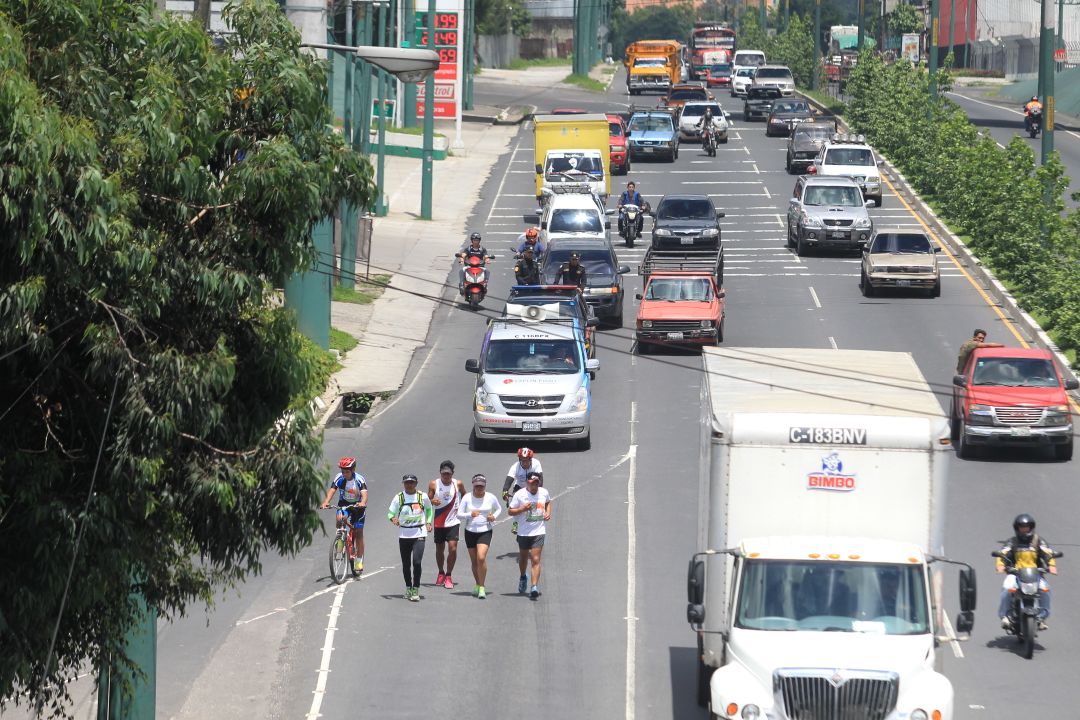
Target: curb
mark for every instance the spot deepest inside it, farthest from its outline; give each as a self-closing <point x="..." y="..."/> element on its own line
<point x="987" y="280"/>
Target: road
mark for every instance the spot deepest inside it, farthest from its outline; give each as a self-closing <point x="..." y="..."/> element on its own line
<point x="608" y="637"/>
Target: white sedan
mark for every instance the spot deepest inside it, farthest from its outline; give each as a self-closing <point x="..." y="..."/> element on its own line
<point x="741" y="80"/>
<point x="691" y="116"/>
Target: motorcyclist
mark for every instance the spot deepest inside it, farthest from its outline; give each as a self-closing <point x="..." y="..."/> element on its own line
<point x="527" y="271"/>
<point x="531" y="238"/>
<point x="1025" y="550"/>
<point x="474" y="248"/>
<point x="572" y="272"/>
<point x="630" y="196"/>
<point x="705" y="124"/>
<point x="1029" y="110"/>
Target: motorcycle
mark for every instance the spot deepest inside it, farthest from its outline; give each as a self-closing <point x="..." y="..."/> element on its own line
<point x="708" y="142"/>
<point x="1025" y="605"/>
<point x="476" y="279"/>
<point x="1034" y="122"/>
<point x="629" y="216"/>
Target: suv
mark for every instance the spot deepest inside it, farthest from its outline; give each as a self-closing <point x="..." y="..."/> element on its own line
<point x="540" y="303"/>
<point x="534" y="380"/>
<point x="686" y="222"/>
<point x="1012" y="396"/>
<point x="652" y="134"/>
<point x="691" y="116"/>
<point x="849" y="155"/>
<point x="603" y="281"/>
<point x="804" y="142"/>
<point x="571" y="214"/>
<point x="775" y="76"/>
<point x="827" y="212"/>
<point x="900" y="259"/>
<point x="759" y="102"/>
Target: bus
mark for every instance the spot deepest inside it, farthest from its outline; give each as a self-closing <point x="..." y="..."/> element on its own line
<point x="706" y="37"/>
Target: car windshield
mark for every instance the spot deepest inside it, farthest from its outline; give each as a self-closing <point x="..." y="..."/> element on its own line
<point x="650" y="124"/>
<point x="772" y="74"/>
<point x="877" y="598"/>
<point x="790" y="107"/>
<point x="720" y="69"/>
<point x="532" y="356"/>
<point x="687" y="95"/>
<point x="650" y="62"/>
<point x="849" y="156"/>
<point x="842" y="196"/>
<point x="615" y="129"/>
<point x="1014" y="372"/>
<point x="685" y="209"/>
<point x="575" y="165"/>
<point x="699" y="110"/>
<point x="679" y="289"/>
<point x="597" y="264"/>
<point x="813" y="132"/>
<point x="575" y="220"/>
<point x="902" y="243"/>
<point x="744" y="72"/>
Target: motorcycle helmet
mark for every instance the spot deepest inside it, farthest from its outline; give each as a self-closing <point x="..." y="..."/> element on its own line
<point x="525" y="453"/>
<point x="1023" y="519"/>
<point x="347" y="463"/>
<point x="1034" y="98"/>
<point x="475" y="236"/>
<point x="531" y="233"/>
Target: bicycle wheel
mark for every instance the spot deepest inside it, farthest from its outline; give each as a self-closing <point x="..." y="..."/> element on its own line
<point x="339" y="559"/>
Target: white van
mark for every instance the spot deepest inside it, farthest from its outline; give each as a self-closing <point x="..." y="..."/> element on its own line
<point x="747" y="59"/>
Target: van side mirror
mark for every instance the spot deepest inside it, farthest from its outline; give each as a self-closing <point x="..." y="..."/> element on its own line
<point x="965" y="621"/>
<point x="539" y="169"/>
<point x="1072" y="384"/>
<point x="623" y="269"/>
<point x="607" y="224"/>
<point x="592" y="364"/>
<point x="472" y="365"/>
<point x="959" y="380"/>
<point x="592" y="322"/>
<point x="695" y="583"/>
<point x="967" y="591"/>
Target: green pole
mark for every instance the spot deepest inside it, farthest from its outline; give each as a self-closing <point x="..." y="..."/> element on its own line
<point x="952" y="28"/>
<point x="933" y="53"/>
<point x="816" y="83"/>
<point x="408" y="11"/>
<point x="466" y="56"/>
<point x="367" y="79"/>
<point x="380" y="168"/>
<point x="764" y="18"/>
<point x="1046" y="70"/>
<point x="348" y="109"/>
<point x="137" y="701"/>
<point x="859" y="23"/>
<point x="426" y="178"/>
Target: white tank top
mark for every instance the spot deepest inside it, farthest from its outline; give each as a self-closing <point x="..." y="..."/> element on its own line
<point x="446" y="510"/>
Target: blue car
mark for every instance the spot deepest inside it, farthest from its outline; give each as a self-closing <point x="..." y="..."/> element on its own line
<point x="653" y="134"/>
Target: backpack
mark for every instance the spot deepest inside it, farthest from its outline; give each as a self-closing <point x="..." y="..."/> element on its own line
<point x="402" y="504"/>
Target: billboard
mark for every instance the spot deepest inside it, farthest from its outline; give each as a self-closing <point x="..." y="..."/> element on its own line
<point x="448" y="45"/>
<point x="909" y="48"/>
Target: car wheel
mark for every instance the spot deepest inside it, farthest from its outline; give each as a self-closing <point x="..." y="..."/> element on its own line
<point x="936" y="290"/>
<point x="745" y="116"/>
<point x="585" y="443"/>
<point x="787" y="237"/>
<point x="800" y="250"/>
<point x="1064" y="452"/>
<point x="720" y="331"/>
<point x="877" y="201"/>
<point x="865" y="286"/>
<point x="476" y="443"/>
<point x="675" y="153"/>
<point x="616" y="321"/>
<point x="724" y="140"/>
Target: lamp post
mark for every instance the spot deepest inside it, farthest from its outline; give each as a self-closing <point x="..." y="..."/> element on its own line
<point x="427" y="170"/>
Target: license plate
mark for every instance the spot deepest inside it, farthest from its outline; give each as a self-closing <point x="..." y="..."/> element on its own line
<point x="687" y="241"/>
<point x="528" y="426"/>
<point x="647" y="149"/>
<point x="839" y="234"/>
<point x="903" y="283"/>
<point x="1021" y="431"/>
<point x="675" y="336"/>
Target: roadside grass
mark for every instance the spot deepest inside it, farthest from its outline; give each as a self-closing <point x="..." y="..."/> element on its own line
<point x="342" y="341"/>
<point x="831" y="104"/>
<point x="584" y="82"/>
<point x="522" y="64"/>
<point x="365" y="292"/>
<point x="323" y="364"/>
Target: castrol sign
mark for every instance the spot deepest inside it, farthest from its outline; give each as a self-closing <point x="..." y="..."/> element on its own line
<point x="831" y="476"/>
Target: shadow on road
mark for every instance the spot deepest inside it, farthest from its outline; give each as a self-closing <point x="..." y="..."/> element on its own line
<point x="1010" y="643"/>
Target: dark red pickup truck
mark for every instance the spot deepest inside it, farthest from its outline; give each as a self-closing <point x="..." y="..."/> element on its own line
<point x="1012" y="396"/>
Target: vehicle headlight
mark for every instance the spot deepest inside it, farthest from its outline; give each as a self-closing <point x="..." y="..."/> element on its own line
<point x="662" y="233"/>
<point x="862" y="222"/>
<point x="646" y="324"/>
<point x="1029" y="588"/>
<point x="706" y="323"/>
<point x="485" y="401"/>
<point x="981" y="415"/>
<point x="751" y="712"/>
<point x="580" y="402"/>
<point x="616" y="148"/>
<point x="1057" y="415"/>
<point x="812" y="221"/>
<point x="710" y="232"/>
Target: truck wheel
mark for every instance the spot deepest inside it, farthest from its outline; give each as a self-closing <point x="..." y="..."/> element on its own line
<point x="1064" y="452"/>
<point x="720" y="332"/>
<point x="954" y="423"/>
<point x="585" y="443"/>
<point x="476" y="443"/>
<point x="704" y="675"/>
<point x="964" y="449"/>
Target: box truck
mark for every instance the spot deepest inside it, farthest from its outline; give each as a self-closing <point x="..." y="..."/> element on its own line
<point x="816" y="592"/>
<point x="572" y="149"/>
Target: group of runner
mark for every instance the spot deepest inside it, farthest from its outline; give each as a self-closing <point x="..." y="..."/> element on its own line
<point x="441" y="511"/>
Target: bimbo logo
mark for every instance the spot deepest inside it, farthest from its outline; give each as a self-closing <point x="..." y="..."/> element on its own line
<point x="831" y="476"/>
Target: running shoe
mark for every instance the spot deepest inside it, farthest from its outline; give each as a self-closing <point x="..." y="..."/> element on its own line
<point x="481" y="593"/>
<point x="1043" y="625"/>
<point x="439" y="580"/>
<point x="448" y="583"/>
<point x="513" y="530"/>
<point x="358" y="565"/>
<point x="475" y="590"/>
<point x="415" y="594"/>
<point x="523" y="584"/>
<point x="408" y="593"/>
<point x="535" y="592"/>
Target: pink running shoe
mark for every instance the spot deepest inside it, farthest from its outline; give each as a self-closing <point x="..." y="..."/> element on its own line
<point x="448" y="583"/>
<point x="440" y="580"/>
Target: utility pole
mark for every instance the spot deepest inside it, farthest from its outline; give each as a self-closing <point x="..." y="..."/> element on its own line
<point x="952" y="26"/>
<point x="933" y="53"/>
<point x="765" y="19"/>
<point x="426" y="177"/>
<point x="202" y="13"/>
<point x="862" y="15"/>
<point x="816" y="82"/>
<point x="409" y="91"/>
<point x="1046" y="78"/>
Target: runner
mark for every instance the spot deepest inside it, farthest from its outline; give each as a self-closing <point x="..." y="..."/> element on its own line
<point x="515" y="476"/>
<point x="479" y="509"/>
<point x="411" y="511"/>
<point x="533" y="503"/>
<point x="445" y="491"/>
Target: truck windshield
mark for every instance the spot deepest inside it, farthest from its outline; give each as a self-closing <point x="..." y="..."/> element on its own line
<point x="574" y="165"/>
<point x="532" y="356"/>
<point x="877" y="598"/>
<point x="1014" y="372"/>
<point x="679" y="289"/>
<point x="571" y="220"/>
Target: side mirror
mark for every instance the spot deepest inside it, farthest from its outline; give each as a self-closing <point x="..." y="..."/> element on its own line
<point x="530" y="219"/>
<point x="695" y="614"/>
<point x="539" y="169"/>
<point x="628" y="133"/>
<point x="868" y="203"/>
<point x="1056" y="554"/>
<point x="967" y="591"/>
<point x="637" y="296"/>
<point x="695" y="582"/>
<point x="592" y="364"/>
<point x="721" y="294"/>
<point x="607" y="224"/>
<point x="1072" y="384"/>
<point x="592" y="322"/>
<point x="965" y="621"/>
<point x="998" y="554"/>
<point x="880" y="163"/>
<point x="472" y="366"/>
<point x="623" y="269"/>
<point x="720" y="214"/>
<point x="937" y="248"/>
<point x="543" y="225"/>
<point x="610" y="211"/>
<point x="959" y="380"/>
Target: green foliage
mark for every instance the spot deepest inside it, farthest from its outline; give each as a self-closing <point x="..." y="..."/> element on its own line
<point x="342" y="341"/>
<point x="652" y="22"/>
<point x="905" y="19"/>
<point x="365" y="292"/>
<point x="153" y="193"/>
<point x="521" y="63"/>
<point x="498" y="17"/>
<point x="1010" y="208"/>
<point x="584" y="82"/>
<point x="793" y="46"/>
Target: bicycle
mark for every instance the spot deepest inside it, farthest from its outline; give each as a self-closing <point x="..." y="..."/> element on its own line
<point x="342" y="555"/>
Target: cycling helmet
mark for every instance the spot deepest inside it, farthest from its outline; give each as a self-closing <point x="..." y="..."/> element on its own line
<point x="475" y="236"/>
<point x="347" y="463"/>
<point x="531" y="233"/>
<point x="525" y="453"/>
<point x="1024" y="519"/>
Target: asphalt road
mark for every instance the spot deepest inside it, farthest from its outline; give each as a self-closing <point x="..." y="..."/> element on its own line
<point x="608" y="638"/>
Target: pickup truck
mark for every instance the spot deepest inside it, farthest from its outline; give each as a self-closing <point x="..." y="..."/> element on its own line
<point x="1012" y="396"/>
<point x="759" y="102"/>
<point x="683" y="299"/>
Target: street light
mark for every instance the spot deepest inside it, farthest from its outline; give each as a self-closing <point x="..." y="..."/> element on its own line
<point x="411" y="65"/>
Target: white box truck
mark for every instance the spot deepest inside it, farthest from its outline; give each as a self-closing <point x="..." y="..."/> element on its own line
<point x="816" y="591"/>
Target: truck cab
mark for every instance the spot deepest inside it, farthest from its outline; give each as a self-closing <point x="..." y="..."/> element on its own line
<point x="575" y="166"/>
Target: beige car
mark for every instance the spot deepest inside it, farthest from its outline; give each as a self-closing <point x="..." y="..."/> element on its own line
<point x="900" y="259"/>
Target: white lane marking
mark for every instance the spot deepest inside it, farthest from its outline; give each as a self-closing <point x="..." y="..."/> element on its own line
<point x="832" y="341"/>
<point x="631" y="569"/>
<point x="327" y="651"/>
<point x="813" y="294"/>
<point x="723" y="182"/>
<point x="767" y="193"/>
<point x="502" y="182"/>
<point x="950" y="632"/>
<point x="699" y="172"/>
<point x="312" y="596"/>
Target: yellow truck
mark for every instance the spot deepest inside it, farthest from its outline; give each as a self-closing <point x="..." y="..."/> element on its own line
<point x="572" y="152"/>
<point x="653" y="65"/>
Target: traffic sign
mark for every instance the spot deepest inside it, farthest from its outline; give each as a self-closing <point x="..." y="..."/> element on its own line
<point x="1061" y="55"/>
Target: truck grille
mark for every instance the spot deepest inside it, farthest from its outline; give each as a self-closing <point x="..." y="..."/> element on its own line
<point x="525" y="405"/>
<point x="675" y="325"/>
<point x="838" y="222"/>
<point x="822" y="694"/>
<point x="1018" y="416"/>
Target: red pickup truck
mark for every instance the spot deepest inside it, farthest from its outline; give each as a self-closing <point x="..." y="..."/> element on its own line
<point x="1012" y="396"/>
<point x="683" y="299"/>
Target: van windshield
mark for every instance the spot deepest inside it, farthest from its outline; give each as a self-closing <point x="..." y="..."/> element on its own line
<point x="884" y="599"/>
<point x="530" y="356"/>
<point x="573" y="220"/>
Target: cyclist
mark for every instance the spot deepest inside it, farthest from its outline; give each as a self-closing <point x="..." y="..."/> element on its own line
<point x="533" y="505"/>
<point x="352" y="491"/>
<point x="411" y="511"/>
<point x="479" y="510"/>
<point x="515" y="476"/>
<point x="445" y="493"/>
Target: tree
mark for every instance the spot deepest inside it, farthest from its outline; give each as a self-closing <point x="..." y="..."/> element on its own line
<point x="498" y="17"/>
<point x="153" y="193"/>
<point x="905" y="19"/>
<point x="654" y="22"/>
<point x="794" y="47"/>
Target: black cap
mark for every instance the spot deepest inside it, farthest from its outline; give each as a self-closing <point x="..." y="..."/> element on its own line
<point x="408" y="478"/>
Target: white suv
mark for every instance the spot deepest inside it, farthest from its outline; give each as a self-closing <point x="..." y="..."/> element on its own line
<point x="850" y="156"/>
<point x="572" y="215"/>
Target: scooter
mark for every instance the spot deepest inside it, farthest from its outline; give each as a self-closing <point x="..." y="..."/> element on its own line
<point x="476" y="279"/>
<point x="1034" y="122"/>
<point x="1025" y="606"/>
<point x="628" y="223"/>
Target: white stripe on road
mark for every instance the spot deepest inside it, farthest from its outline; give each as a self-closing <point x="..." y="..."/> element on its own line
<point x="817" y="303"/>
<point x="832" y="341"/>
<point x="631" y="569"/>
<point x="502" y="182"/>
<point x="327" y="651"/>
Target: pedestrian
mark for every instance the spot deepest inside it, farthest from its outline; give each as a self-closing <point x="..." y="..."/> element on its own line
<point x="411" y="511"/>
<point x="479" y="509"/>
<point x="533" y="505"/>
<point x="978" y="340"/>
<point x="445" y="492"/>
<point x="515" y="476"/>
